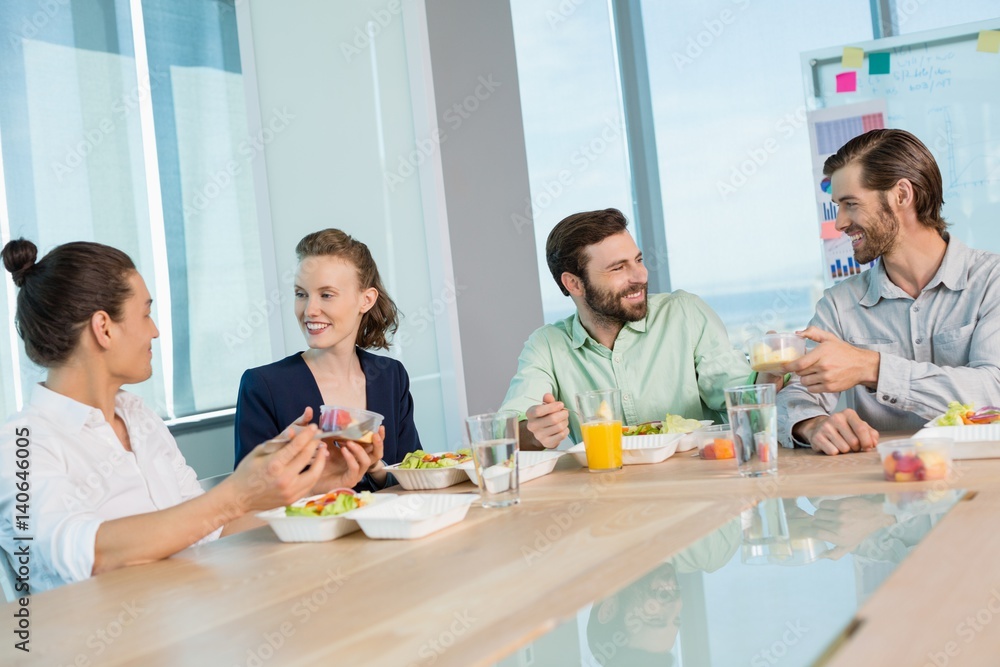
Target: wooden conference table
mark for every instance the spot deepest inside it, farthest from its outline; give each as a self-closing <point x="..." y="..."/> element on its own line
<point x="474" y="592"/>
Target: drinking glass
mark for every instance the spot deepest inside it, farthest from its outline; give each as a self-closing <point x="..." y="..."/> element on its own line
<point x="601" y="427"/>
<point x="753" y="417"/>
<point x="493" y="438"/>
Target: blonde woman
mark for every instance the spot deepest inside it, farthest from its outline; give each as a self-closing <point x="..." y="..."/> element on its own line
<point x="343" y="310"/>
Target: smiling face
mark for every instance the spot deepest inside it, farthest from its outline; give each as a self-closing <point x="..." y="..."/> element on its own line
<point x="615" y="280"/>
<point x="645" y="617"/>
<point x="864" y="215"/>
<point x="329" y="301"/>
<point x="130" y="359"/>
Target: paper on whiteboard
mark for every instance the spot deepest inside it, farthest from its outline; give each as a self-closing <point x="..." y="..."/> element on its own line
<point x="829" y="129"/>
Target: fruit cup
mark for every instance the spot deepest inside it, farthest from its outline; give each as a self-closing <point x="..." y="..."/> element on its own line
<point x="770" y="352"/>
<point x="916" y="459"/>
<point x="715" y="442"/>
<point x="334" y="418"/>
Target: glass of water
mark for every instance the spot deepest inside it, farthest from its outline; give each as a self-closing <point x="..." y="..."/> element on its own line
<point x="754" y="420"/>
<point x="493" y="440"/>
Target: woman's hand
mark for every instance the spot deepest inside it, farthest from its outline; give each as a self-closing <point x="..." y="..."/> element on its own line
<point x="345" y="467"/>
<point x="375" y="451"/>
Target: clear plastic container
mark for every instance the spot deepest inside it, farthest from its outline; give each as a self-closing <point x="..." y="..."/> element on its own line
<point x="334" y="419"/>
<point x="916" y="459"/>
<point x="770" y="352"/>
<point x="715" y="442"/>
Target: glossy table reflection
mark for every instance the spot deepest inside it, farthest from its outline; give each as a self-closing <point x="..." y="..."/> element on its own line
<point x="480" y="592"/>
<point x="776" y="585"/>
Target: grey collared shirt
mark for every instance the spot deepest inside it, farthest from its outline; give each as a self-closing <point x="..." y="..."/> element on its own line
<point x="942" y="346"/>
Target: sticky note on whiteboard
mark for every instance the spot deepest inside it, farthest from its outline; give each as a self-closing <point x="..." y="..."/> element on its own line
<point x="847" y="82"/>
<point x="989" y="41"/>
<point x="853" y="58"/>
<point x="878" y="63"/>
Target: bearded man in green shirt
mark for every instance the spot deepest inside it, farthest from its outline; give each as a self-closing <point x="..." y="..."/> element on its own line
<point x="667" y="353"/>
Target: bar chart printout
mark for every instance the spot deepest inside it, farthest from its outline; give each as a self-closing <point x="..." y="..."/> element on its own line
<point x="829" y="129"/>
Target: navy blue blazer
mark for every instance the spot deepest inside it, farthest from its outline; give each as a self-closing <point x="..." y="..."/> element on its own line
<point x="273" y="396"/>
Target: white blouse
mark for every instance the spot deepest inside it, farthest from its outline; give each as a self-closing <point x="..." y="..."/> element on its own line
<point x="80" y="476"/>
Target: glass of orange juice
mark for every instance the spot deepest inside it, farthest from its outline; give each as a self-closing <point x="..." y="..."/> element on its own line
<point x="601" y="426"/>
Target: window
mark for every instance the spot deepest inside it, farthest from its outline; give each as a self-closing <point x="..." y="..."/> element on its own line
<point x="573" y="124"/>
<point x="733" y="146"/>
<point x="124" y="122"/>
<point x="910" y="16"/>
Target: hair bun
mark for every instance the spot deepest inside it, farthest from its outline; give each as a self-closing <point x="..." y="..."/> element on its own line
<point x="19" y="257"/>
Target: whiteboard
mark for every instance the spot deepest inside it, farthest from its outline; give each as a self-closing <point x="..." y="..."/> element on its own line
<point x="945" y="92"/>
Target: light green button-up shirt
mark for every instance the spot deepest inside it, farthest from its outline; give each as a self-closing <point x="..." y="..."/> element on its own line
<point x="677" y="360"/>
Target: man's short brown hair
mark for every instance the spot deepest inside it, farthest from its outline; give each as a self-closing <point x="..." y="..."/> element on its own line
<point x="565" y="249"/>
<point x="886" y="157"/>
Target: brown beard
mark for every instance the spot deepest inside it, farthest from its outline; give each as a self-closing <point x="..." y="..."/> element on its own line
<point x="880" y="234"/>
<point x="608" y="306"/>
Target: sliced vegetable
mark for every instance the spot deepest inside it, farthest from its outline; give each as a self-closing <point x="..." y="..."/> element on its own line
<point x="334" y="503"/>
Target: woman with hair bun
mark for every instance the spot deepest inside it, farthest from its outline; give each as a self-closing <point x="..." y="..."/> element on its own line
<point x="108" y="486"/>
<point x="343" y="310"/>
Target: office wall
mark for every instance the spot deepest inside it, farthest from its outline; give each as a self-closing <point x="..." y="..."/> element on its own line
<point x="337" y="75"/>
<point x="485" y="172"/>
<point x="360" y="153"/>
<point x="208" y="450"/>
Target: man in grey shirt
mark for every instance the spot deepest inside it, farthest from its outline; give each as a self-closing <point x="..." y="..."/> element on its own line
<point x="918" y="330"/>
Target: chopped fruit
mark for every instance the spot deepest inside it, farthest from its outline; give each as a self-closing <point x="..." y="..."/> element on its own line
<point x="604" y="412"/>
<point x="343" y="419"/>
<point x="908" y="463"/>
<point x="724" y="448"/>
<point x="889" y="465"/>
<point x="915" y="467"/>
<point x="766" y="359"/>
<point x="935" y="465"/>
<point x="720" y="448"/>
